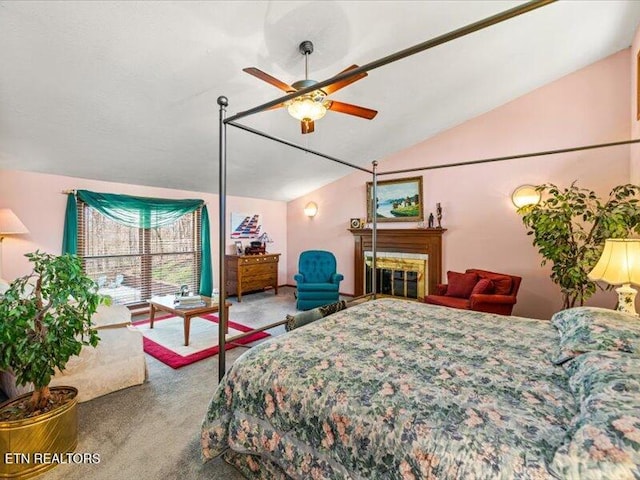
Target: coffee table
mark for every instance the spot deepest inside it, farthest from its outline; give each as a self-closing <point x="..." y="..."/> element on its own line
<point x="166" y="304"/>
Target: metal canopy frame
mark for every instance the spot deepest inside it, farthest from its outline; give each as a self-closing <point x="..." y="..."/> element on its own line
<point x="232" y="120"/>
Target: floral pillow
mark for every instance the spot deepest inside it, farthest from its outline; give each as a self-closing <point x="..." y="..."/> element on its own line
<point x="605" y="435"/>
<point x="587" y="329"/>
<point x="303" y="318"/>
<point x="594" y="372"/>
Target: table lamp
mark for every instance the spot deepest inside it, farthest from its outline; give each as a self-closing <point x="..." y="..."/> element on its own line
<point x="620" y="265"/>
<point x="265" y="238"/>
<point x="9" y="225"/>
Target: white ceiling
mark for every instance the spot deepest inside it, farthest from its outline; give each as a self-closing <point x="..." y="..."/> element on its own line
<point x="126" y="91"/>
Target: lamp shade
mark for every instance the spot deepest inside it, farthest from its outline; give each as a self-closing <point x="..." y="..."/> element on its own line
<point x="619" y="263"/>
<point x="305" y="108"/>
<point x="10" y="224"/>
<point x="265" y="238"/>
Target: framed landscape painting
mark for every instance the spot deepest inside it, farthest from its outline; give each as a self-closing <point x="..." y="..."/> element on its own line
<point x="398" y="200"/>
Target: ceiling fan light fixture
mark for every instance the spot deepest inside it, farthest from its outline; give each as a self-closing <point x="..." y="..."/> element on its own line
<point x="307" y="108"/>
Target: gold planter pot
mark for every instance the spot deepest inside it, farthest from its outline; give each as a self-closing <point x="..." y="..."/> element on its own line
<point x="35" y="445"/>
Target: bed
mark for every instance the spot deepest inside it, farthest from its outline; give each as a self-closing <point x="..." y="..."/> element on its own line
<point x="394" y="389"/>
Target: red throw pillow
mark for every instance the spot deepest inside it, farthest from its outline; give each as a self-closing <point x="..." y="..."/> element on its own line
<point x="483" y="287"/>
<point x="460" y="284"/>
<point x="501" y="283"/>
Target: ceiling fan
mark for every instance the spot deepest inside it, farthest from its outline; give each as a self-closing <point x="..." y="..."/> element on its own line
<point x="314" y="105"/>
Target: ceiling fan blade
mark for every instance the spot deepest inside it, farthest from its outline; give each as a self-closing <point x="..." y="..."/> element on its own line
<point x="352" y="110"/>
<point x="269" y="79"/>
<point x="334" y="87"/>
<point x="307" y="126"/>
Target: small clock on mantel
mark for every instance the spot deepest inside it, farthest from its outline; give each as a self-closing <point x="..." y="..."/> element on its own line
<point x="357" y="223"/>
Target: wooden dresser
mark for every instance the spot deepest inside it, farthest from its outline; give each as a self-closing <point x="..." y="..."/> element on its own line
<point x="246" y="273"/>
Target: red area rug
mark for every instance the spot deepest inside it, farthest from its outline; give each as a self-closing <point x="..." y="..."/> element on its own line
<point x="165" y="341"/>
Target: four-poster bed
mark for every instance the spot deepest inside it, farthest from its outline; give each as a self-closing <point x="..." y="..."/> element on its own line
<point x="446" y="394"/>
<point x="345" y="75"/>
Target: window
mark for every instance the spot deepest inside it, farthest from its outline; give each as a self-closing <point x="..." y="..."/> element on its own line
<point x="133" y="264"/>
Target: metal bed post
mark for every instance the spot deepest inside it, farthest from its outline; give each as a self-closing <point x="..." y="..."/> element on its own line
<point x="223" y="102"/>
<point x="374" y="232"/>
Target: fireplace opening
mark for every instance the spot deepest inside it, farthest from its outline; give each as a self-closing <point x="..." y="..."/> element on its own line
<point x="398" y="274"/>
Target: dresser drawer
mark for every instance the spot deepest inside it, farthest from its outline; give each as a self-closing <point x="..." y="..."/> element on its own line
<point x="267" y="279"/>
<point x="258" y="259"/>
<point x="265" y="268"/>
<point x="256" y="284"/>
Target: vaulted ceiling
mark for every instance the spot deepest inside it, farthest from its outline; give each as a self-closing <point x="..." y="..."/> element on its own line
<point x="126" y="91"/>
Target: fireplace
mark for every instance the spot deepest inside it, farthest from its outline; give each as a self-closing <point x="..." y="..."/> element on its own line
<point x="398" y="253"/>
<point x="397" y="274"/>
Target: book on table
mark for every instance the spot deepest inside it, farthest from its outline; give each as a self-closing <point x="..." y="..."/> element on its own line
<point x="190" y="301"/>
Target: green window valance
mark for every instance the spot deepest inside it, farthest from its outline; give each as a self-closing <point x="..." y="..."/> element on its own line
<point x="140" y="212"/>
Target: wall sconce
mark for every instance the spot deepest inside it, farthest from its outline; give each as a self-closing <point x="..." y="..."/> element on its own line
<point x="525" y="195"/>
<point x="311" y="209"/>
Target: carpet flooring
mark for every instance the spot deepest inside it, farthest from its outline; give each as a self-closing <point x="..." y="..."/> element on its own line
<point x="152" y="431"/>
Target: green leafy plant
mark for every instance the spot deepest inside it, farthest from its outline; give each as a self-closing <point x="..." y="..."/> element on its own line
<point x="45" y="318"/>
<point x="569" y="227"/>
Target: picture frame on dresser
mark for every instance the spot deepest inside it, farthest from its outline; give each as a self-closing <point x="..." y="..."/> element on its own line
<point x="239" y="247"/>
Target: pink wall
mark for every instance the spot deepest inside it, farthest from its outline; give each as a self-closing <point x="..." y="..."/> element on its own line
<point x="589" y="106"/>
<point x="37" y="200"/>
<point x="635" y="124"/>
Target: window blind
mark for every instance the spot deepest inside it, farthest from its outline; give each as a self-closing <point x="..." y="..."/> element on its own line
<point x="133" y="264"/>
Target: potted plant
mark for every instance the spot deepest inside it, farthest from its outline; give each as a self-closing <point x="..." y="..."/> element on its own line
<point x="569" y="227"/>
<point x="45" y="318"/>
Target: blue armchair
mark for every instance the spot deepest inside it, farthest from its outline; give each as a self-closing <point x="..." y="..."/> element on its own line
<point x="317" y="280"/>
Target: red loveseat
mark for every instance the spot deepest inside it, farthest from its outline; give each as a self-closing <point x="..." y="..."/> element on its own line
<point x="478" y="290"/>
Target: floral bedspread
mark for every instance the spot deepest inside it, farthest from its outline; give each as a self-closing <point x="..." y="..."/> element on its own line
<point x="394" y="389"/>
